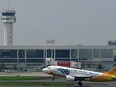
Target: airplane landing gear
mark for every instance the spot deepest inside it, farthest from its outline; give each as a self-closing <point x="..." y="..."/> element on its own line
<point x="80" y="83"/>
<point x="53" y="78"/>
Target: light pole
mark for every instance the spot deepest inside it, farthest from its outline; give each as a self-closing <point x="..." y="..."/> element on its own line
<point x="51" y="42"/>
<point x="78" y="58"/>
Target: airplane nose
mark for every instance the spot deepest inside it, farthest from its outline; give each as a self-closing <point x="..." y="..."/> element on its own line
<point x="46" y="70"/>
<point x="43" y="70"/>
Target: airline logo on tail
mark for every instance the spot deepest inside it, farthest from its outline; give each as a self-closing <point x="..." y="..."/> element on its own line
<point x="112" y="71"/>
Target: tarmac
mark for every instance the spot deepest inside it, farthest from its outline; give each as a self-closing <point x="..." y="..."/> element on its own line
<point x="23" y="74"/>
<point x="96" y="84"/>
<point x="49" y="80"/>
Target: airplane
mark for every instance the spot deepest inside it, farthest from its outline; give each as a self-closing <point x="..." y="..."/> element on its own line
<point x="72" y="74"/>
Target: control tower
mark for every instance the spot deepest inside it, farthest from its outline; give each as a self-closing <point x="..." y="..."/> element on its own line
<point x="8" y="18"/>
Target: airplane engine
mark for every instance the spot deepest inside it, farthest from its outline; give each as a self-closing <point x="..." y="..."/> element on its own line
<point x="70" y="78"/>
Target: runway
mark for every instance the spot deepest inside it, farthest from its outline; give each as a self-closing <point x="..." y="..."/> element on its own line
<point x="75" y="84"/>
<point x="48" y="79"/>
<point x="96" y="84"/>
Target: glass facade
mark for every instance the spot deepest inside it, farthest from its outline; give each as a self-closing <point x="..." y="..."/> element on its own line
<point x="35" y="60"/>
<point x="38" y="55"/>
<point x="85" y="54"/>
<point x="106" y="53"/>
<point x="34" y="53"/>
<point x="74" y="55"/>
<point x="97" y="53"/>
<point x="49" y="53"/>
<point x="63" y="53"/>
<point x="8" y="60"/>
<point x="102" y="53"/>
<point x="21" y="54"/>
<point x="8" y="53"/>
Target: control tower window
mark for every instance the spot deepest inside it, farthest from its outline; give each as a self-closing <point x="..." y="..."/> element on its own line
<point x="8" y="14"/>
<point x="7" y="18"/>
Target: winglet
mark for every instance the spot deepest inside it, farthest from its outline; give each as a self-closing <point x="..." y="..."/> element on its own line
<point x="112" y="71"/>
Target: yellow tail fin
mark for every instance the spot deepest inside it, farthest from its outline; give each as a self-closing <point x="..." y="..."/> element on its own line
<point x="112" y="71"/>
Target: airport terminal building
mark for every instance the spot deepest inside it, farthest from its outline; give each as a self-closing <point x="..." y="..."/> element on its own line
<point x="35" y="55"/>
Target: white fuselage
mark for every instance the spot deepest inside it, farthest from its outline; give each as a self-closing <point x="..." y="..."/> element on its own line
<point x="64" y="71"/>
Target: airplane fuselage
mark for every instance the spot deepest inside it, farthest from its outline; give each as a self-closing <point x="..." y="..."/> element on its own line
<point x="78" y="74"/>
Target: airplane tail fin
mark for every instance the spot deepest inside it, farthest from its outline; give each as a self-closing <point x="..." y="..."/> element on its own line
<point x="112" y="71"/>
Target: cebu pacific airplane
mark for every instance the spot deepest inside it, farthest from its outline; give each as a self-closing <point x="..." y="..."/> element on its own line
<point x="72" y="74"/>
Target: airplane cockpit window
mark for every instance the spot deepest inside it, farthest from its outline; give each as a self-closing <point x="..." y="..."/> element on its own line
<point x="49" y="67"/>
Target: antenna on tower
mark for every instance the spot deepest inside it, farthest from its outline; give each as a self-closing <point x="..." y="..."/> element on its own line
<point x="8" y="4"/>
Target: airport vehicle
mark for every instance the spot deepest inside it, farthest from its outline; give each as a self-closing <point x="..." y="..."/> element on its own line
<point x="72" y="74"/>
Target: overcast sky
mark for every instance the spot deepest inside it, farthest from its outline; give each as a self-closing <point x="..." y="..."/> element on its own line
<point x="68" y="22"/>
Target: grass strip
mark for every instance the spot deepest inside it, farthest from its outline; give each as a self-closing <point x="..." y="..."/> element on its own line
<point x="33" y="84"/>
<point x="20" y="78"/>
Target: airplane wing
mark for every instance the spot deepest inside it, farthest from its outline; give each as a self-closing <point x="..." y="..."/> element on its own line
<point x="81" y="77"/>
<point x="78" y="77"/>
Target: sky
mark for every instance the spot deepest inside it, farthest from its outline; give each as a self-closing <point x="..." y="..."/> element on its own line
<point x="68" y="22"/>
